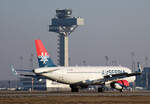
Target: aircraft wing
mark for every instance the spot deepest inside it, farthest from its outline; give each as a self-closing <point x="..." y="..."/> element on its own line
<point x="20" y="71"/>
<point x="27" y="75"/>
<point x="24" y="73"/>
<point x="111" y="77"/>
<point x="106" y="78"/>
<point x="121" y="75"/>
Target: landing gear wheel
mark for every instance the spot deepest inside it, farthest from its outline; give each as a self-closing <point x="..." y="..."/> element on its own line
<point x="74" y="90"/>
<point x="101" y="89"/>
<point x="121" y="90"/>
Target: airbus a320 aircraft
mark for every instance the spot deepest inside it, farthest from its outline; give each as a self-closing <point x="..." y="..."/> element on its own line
<point x="77" y="77"/>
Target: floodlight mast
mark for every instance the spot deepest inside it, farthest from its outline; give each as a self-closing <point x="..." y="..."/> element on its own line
<point x="64" y="25"/>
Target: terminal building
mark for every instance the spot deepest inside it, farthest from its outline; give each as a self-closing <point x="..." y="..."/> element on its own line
<point x="33" y="84"/>
<point x="144" y="79"/>
<point x="42" y="84"/>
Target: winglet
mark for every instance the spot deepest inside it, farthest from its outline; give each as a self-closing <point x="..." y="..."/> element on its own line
<point x="13" y="70"/>
<point x="139" y="67"/>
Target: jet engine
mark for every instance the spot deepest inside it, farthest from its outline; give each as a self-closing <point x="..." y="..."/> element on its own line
<point x="119" y="85"/>
<point x="40" y="80"/>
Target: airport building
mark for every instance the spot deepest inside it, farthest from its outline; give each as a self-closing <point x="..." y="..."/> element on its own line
<point x="64" y="24"/>
<point x="41" y="84"/>
<point x="30" y="83"/>
<point x="144" y="79"/>
<point x="8" y="84"/>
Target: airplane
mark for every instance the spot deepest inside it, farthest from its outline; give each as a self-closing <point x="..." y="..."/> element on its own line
<point x="80" y="77"/>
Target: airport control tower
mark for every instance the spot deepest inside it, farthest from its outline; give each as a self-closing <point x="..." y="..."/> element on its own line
<point x="64" y="24"/>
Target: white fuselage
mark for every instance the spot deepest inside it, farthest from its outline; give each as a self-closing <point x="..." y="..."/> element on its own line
<point x="71" y="75"/>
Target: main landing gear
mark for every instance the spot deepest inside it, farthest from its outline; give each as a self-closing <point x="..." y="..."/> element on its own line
<point x="74" y="88"/>
<point x="101" y="89"/>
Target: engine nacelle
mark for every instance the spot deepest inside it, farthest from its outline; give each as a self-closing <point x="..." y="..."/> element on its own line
<point x="120" y="84"/>
<point x="40" y="80"/>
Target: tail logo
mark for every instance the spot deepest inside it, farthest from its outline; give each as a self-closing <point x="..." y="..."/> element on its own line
<point x="44" y="57"/>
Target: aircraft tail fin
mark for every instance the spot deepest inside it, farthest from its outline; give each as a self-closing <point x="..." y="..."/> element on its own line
<point x="44" y="59"/>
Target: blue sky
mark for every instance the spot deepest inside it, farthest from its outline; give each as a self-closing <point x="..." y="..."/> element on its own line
<point x="113" y="28"/>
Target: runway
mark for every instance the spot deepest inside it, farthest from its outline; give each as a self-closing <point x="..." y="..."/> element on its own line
<point x="43" y="97"/>
<point x="45" y="93"/>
